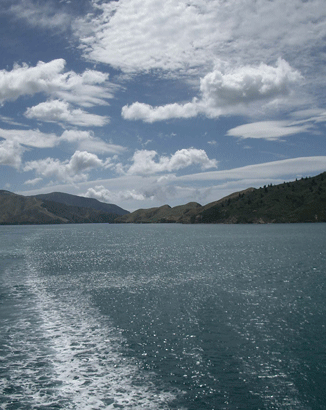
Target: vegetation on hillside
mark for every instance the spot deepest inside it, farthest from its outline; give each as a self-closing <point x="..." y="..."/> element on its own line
<point x="302" y="200"/>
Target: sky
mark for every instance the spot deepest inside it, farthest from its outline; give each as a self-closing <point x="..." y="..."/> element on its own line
<point x="143" y="103"/>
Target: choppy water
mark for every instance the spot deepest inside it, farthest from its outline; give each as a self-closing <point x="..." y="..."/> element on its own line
<point x="163" y="317"/>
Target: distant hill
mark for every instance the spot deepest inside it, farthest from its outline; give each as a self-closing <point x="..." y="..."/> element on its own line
<point x="161" y="214"/>
<point x="74" y="200"/>
<point x="298" y="201"/>
<point x="302" y="200"/>
<point x="18" y="210"/>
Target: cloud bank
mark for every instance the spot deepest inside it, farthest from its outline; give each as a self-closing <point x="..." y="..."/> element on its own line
<point x="190" y="35"/>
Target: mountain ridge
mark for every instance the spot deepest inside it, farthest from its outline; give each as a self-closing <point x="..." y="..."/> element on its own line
<point x="25" y="210"/>
<point x="81" y="201"/>
<point x="297" y="201"/>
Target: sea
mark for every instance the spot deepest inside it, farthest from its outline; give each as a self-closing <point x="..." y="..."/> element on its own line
<point x="163" y="316"/>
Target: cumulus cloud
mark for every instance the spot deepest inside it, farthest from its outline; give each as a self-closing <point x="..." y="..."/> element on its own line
<point x="30" y="138"/>
<point x="269" y="130"/>
<point x="248" y="84"/>
<point x="221" y="93"/>
<point x="74" y="170"/>
<point x="147" y="113"/>
<point x="87" y="89"/>
<point x="11" y="153"/>
<point x="144" y="161"/>
<point x="61" y="111"/>
<point x="105" y="195"/>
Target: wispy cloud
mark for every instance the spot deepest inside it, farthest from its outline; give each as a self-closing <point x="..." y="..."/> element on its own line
<point x="45" y="15"/>
<point x="292" y="167"/>
<point x="87" y="89"/>
<point x="268" y="130"/>
<point x="88" y="142"/>
<point x="62" y="112"/>
<point x="33" y="181"/>
<point x="31" y="138"/>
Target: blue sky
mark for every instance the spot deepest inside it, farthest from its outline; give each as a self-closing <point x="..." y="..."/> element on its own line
<point x="143" y="103"/>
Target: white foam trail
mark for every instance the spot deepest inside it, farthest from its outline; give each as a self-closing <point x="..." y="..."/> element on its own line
<point x="61" y="352"/>
<point x="86" y="358"/>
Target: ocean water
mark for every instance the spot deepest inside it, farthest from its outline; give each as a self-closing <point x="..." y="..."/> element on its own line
<point x="163" y="317"/>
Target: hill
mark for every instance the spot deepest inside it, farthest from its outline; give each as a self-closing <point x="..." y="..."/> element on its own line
<point x="302" y="200"/>
<point x="74" y="200"/>
<point x="18" y="210"/>
<point x="163" y="214"/>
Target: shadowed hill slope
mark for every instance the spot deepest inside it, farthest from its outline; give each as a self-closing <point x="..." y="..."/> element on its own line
<point x="74" y="200"/>
<point x="19" y="210"/>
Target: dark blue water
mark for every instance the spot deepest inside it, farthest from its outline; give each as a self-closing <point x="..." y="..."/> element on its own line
<point x="163" y="317"/>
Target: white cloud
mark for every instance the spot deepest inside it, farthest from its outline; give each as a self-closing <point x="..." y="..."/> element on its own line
<point x="248" y="84"/>
<point x="11" y="153"/>
<point x="61" y="111"/>
<point x="287" y="168"/>
<point x="87" y="89"/>
<point x="43" y="15"/>
<point x="225" y="93"/>
<point x="33" y="181"/>
<point x="203" y="187"/>
<point x="31" y="138"/>
<point x="86" y="141"/>
<point x="189" y="35"/>
<point x="147" y="113"/>
<point x="139" y="35"/>
<point x="105" y="195"/>
<point x="9" y="120"/>
<point x="74" y="170"/>
<point x="144" y="161"/>
<point x="269" y="130"/>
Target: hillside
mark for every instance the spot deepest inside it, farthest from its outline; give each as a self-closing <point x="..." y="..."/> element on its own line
<point x="19" y="210"/>
<point x="297" y="201"/>
<point x="74" y="200"/>
<point x="163" y="214"/>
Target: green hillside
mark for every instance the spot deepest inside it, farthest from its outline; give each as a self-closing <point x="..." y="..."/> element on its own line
<point x="302" y="200"/>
